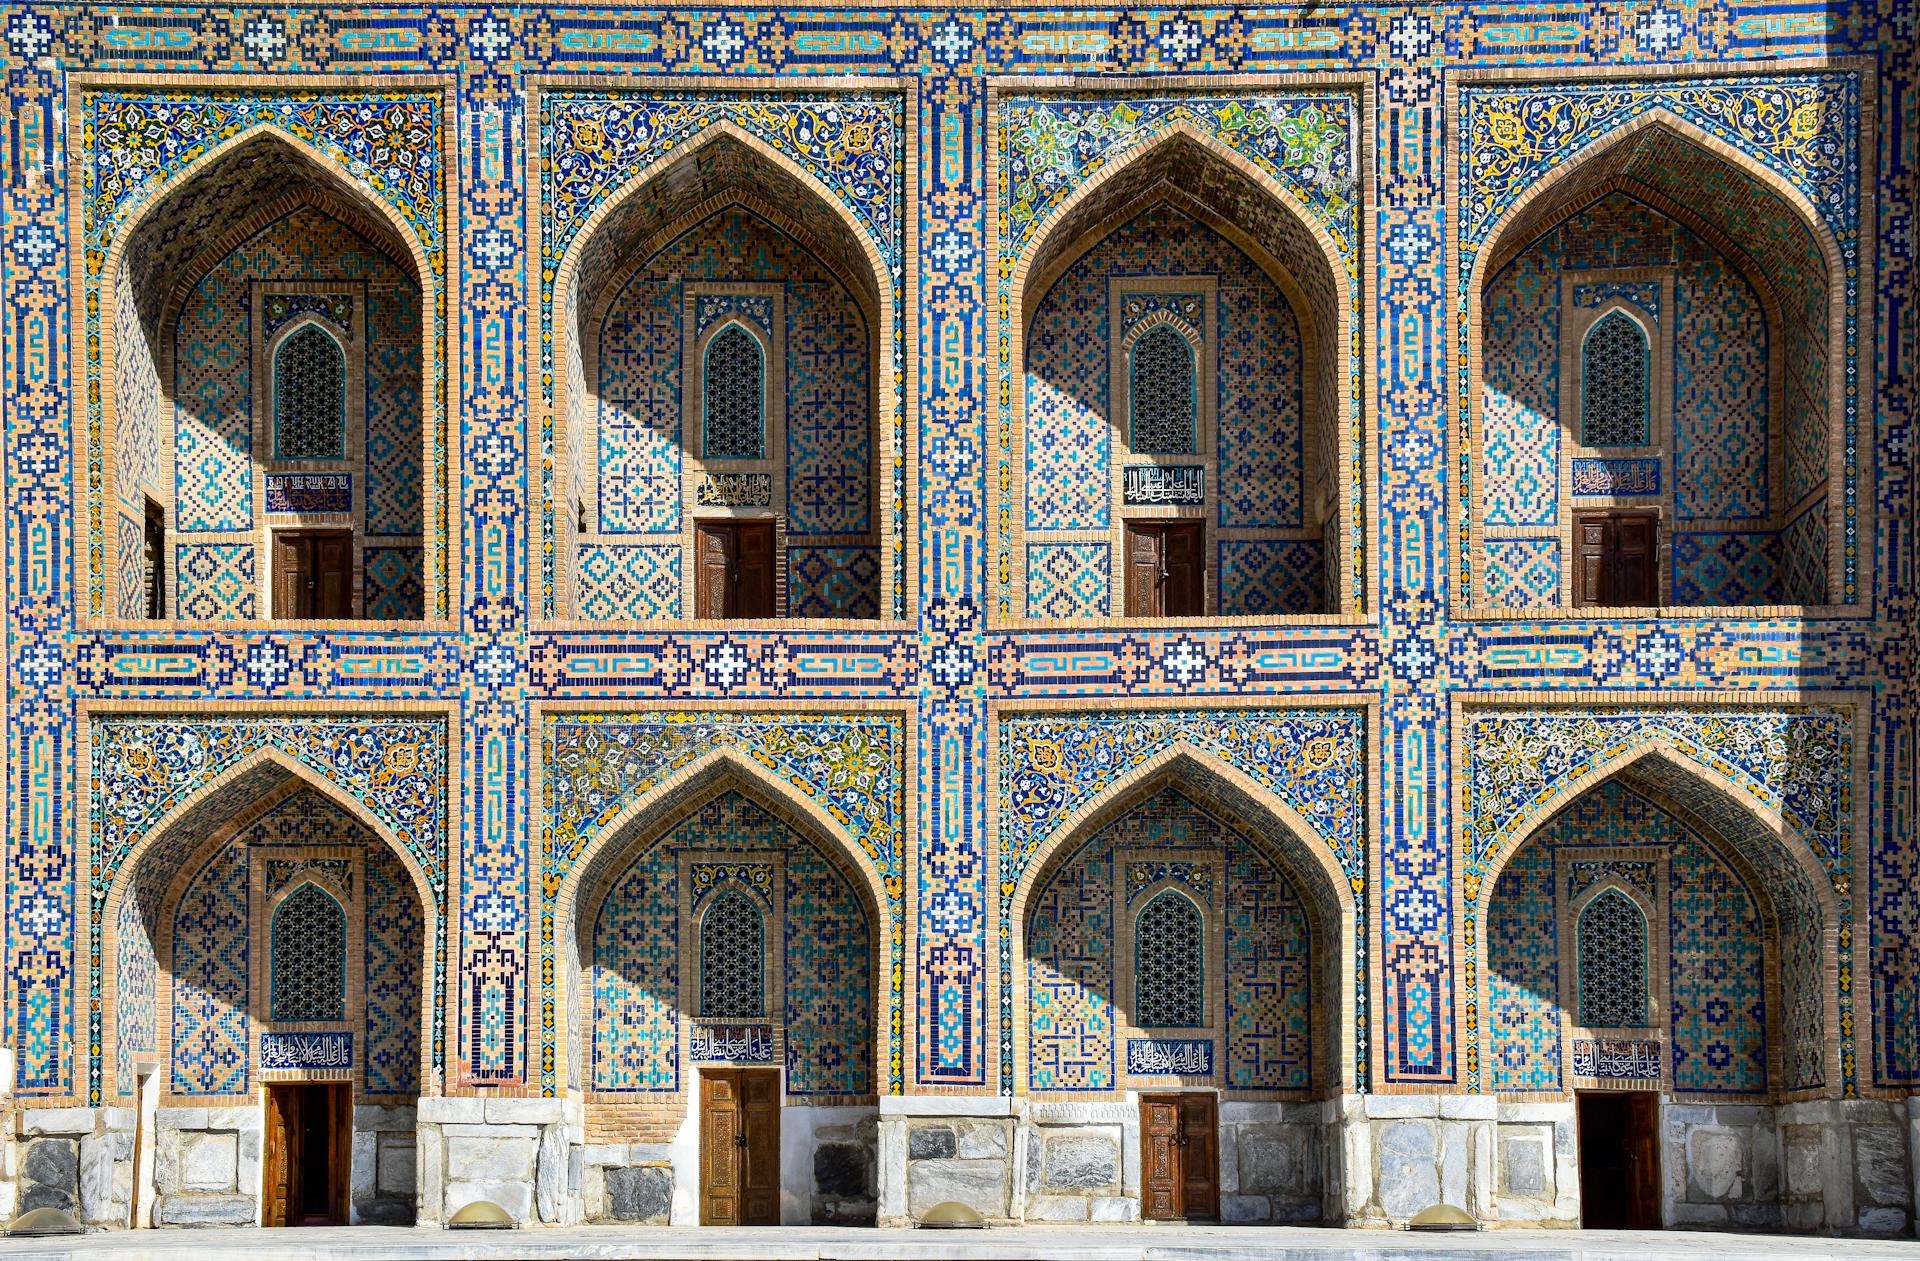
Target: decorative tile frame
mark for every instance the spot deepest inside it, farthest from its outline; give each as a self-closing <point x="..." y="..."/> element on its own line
<point x="1291" y="775"/>
<point x="859" y="127"/>
<point x="1516" y="135"/>
<point x="605" y="773"/>
<point x="385" y="148"/>
<point x="391" y="773"/>
<point x="1054" y="145"/>
<point x="1786" y="766"/>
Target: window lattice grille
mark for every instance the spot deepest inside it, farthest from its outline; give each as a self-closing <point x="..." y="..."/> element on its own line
<point x="1169" y="965"/>
<point x="310" y="397"/>
<point x="735" y="396"/>
<point x="1614" y="394"/>
<point x="1613" y="963"/>
<point x="732" y="955"/>
<point x="309" y="957"/>
<point x="1163" y="405"/>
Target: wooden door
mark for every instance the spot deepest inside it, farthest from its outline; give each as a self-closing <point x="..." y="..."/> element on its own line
<point x="1199" y="1165"/>
<point x="339" y="1151"/>
<point x="1615" y="559"/>
<point x="1166" y="569"/>
<point x="733" y="569"/>
<point x="1619" y="1159"/>
<point x="739" y="1147"/>
<point x="1179" y="1158"/>
<point x="1162" y="1180"/>
<point x="283" y="1103"/>
<point x="312" y="575"/>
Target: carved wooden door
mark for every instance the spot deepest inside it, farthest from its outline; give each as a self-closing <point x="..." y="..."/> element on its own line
<point x="312" y="575"/>
<point x="733" y="569"/>
<point x="1179" y="1165"/>
<point x="1161" y="1177"/>
<point x="277" y="1183"/>
<point x="1166" y="569"/>
<point x="1615" y="559"/>
<point x="722" y="1147"/>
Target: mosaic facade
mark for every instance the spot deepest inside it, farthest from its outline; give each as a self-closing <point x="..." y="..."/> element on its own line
<point x="1383" y="232"/>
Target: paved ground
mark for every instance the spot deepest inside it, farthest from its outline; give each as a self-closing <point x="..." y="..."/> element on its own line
<point x="1032" y="1243"/>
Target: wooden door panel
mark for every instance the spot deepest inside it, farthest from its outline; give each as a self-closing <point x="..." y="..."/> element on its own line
<point x="1643" y="1161"/>
<point x="1199" y="1165"/>
<point x="333" y="576"/>
<point x="760" y="1113"/>
<point x="1161" y="1178"/>
<point x="753" y="585"/>
<point x="720" y="1149"/>
<point x="278" y="1174"/>
<point x="1616" y="559"/>
<point x="340" y="1152"/>
<point x="713" y="566"/>
<point x="1186" y="571"/>
<point x="1143" y="571"/>
<point x="289" y="576"/>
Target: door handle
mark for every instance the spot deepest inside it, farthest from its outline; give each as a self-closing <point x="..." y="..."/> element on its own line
<point x="739" y="1140"/>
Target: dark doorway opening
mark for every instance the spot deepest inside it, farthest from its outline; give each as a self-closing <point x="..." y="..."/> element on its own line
<point x="309" y="1154"/>
<point x="1619" y="1159"/>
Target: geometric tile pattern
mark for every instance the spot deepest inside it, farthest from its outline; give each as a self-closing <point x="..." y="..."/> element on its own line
<point x="1793" y="760"/>
<point x="1720" y="400"/>
<point x="1264" y="989"/>
<point x="1052" y="764"/>
<point x="830" y="432"/>
<point x="1612" y="936"/>
<point x="595" y="763"/>
<point x="1271" y="577"/>
<point x="1523" y="573"/>
<point x="1727" y="569"/>
<point x="628" y="581"/>
<point x="1270" y="970"/>
<point x="854" y="144"/>
<point x="396" y="934"/>
<point x="1068" y="580"/>
<point x="215" y="581"/>
<point x="393" y="583"/>
<point x="1716" y="1020"/>
<point x="1169" y="964"/>
<point x="825" y="960"/>
<point x="1406" y="665"/>
<point x="390" y="141"/>
<point x="1520" y="433"/>
<point x="824" y="582"/>
<point x="309" y="957"/>
<point x="210" y="949"/>
<point x="148" y="766"/>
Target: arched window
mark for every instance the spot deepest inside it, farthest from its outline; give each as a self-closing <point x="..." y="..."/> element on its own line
<point x="309" y="957"/>
<point x="1163" y="402"/>
<point x="1169" y="964"/>
<point x="732" y="959"/>
<point x="736" y="388"/>
<point x="1616" y="391"/>
<point x="309" y="396"/>
<point x="1612" y="937"/>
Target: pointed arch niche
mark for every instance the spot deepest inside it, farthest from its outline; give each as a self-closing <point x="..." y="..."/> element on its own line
<point x="1742" y="935"/>
<point x="1277" y="918"/>
<point x="1725" y="429"/>
<point x="723" y="239"/>
<point x="213" y="284"/>
<point x="633" y="915"/>
<point x="1181" y="239"/>
<point x="209" y="985"/>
